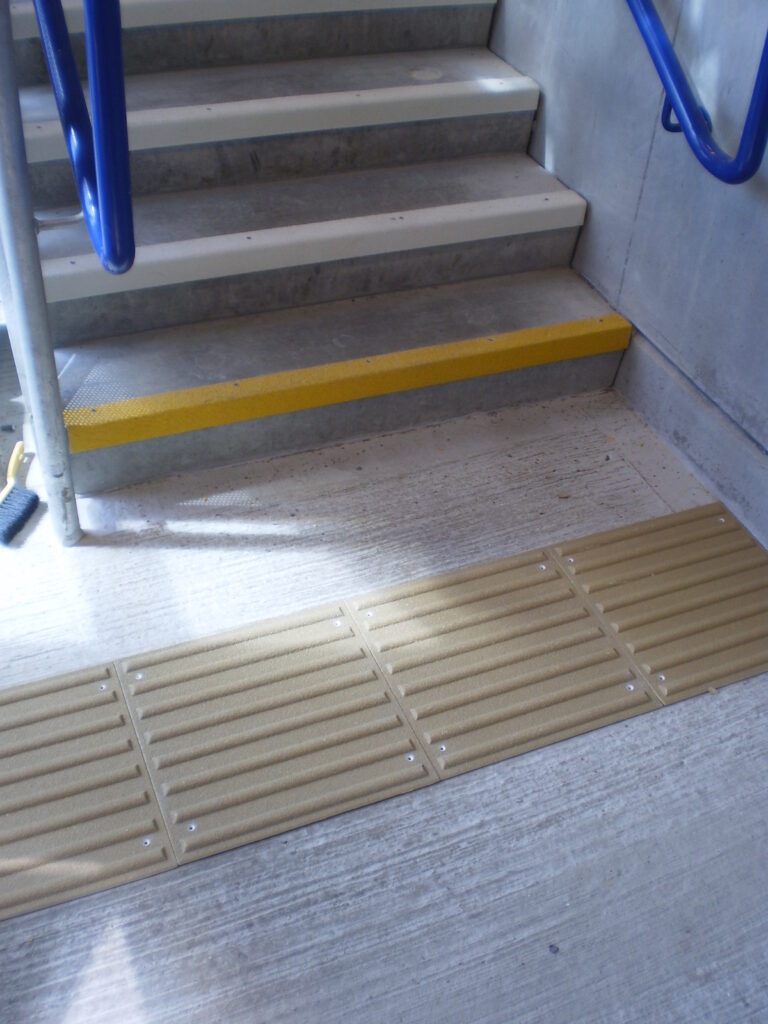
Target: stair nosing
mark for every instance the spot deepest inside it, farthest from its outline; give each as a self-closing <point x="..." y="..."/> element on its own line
<point x="328" y="331"/>
<point x="152" y="13"/>
<point x="165" y="413"/>
<point x="201" y="124"/>
<point x="225" y="255"/>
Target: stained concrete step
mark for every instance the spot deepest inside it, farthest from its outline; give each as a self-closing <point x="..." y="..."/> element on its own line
<point x="147" y="404"/>
<point x="194" y="128"/>
<point x="160" y="35"/>
<point x="249" y="248"/>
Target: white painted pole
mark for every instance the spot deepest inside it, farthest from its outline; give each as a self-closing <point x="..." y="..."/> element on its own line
<point x="28" y="312"/>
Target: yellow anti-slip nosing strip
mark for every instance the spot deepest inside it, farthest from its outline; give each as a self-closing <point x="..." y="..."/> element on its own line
<point x="216" y="405"/>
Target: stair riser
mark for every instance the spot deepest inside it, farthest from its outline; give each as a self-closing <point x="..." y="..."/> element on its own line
<point x="126" y="312"/>
<point x="109" y="468"/>
<point x="299" y="37"/>
<point x="266" y="159"/>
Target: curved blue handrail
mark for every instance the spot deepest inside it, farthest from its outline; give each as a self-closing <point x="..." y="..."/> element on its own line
<point x="99" y="152"/>
<point x="692" y="119"/>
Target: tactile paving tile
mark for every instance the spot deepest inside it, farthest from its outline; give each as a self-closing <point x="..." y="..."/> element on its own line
<point x="497" y="659"/>
<point x="268" y="728"/>
<point x="687" y="594"/>
<point x="273" y="726"/>
<point x="77" y="811"/>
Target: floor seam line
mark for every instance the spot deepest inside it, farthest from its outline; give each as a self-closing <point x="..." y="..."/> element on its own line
<point x="140" y="749"/>
<point x="605" y="627"/>
<point x="390" y="688"/>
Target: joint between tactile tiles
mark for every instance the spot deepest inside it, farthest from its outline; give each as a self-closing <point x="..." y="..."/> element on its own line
<point x="520" y="561"/>
<point x="272" y="816"/>
<point x="140" y="748"/>
<point x="359" y="629"/>
<point x="596" y="615"/>
<point x="77" y="832"/>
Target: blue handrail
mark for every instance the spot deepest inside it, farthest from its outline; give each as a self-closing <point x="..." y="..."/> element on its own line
<point x="692" y="118"/>
<point x="99" y="152"/>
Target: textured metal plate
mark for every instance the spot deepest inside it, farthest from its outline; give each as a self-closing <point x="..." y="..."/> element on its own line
<point x="498" y="659"/>
<point x="77" y="811"/>
<point x="268" y="728"/>
<point x="686" y="594"/>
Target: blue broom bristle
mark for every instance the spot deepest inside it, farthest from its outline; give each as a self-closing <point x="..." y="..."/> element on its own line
<point x="15" y="510"/>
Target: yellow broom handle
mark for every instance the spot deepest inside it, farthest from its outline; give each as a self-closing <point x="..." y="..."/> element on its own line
<point x="13" y="469"/>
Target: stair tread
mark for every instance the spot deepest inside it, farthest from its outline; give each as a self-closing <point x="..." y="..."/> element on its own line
<point x="206" y="105"/>
<point x="141" y="13"/>
<point x="212" y="86"/>
<point x="256" y="206"/>
<point x="174" y="359"/>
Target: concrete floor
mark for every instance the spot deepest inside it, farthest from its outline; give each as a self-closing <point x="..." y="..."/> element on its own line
<point x="616" y="877"/>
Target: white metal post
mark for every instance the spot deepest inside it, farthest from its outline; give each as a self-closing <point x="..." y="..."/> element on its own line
<point x="25" y="301"/>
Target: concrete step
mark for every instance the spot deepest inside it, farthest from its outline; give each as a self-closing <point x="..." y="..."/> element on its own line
<point x="147" y="404"/>
<point x="163" y="35"/>
<point x="247" y="248"/>
<point x="199" y="127"/>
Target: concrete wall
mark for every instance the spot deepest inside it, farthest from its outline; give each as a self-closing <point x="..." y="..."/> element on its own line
<point x="682" y="255"/>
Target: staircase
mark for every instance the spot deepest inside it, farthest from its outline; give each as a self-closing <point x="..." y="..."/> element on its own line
<point x="338" y="233"/>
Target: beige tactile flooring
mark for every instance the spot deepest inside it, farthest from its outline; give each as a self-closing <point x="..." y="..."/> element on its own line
<point x="290" y="721"/>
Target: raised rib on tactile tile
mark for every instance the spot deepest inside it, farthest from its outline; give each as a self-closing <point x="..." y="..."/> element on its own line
<point x="687" y="594"/>
<point x="496" y="660"/>
<point x="268" y="728"/>
<point x="77" y="812"/>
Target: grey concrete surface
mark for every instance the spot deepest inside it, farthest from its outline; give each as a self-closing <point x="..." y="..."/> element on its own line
<point x="735" y="468"/>
<point x="217" y="44"/>
<point x="258" y="205"/>
<point x="695" y="275"/>
<point x="600" y="98"/>
<point x="221" y="350"/>
<point x="200" y="86"/>
<point x="122" y="367"/>
<point x="681" y="254"/>
<point x="118" y="368"/>
<point x="111" y="468"/>
<point x="121" y="313"/>
<point x="206" y="551"/>
<point x="180" y="168"/>
<point x="617" y="878"/>
<point x="613" y="879"/>
<point x="319" y="152"/>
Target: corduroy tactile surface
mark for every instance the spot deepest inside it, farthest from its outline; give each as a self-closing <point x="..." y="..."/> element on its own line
<point x="206" y="746"/>
<point x="77" y="809"/>
<point x="268" y="728"/>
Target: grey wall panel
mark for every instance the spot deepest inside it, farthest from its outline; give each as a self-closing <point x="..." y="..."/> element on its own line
<point x="682" y="255"/>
